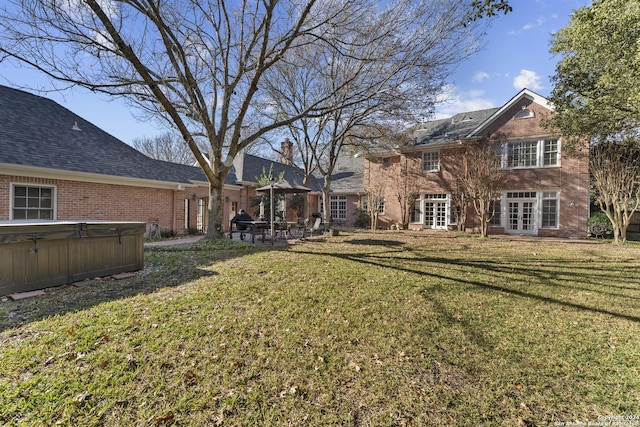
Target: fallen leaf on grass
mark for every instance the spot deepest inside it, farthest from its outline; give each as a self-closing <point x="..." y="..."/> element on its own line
<point x="82" y="397"/>
<point x="131" y="362"/>
<point x="190" y="378"/>
<point x="355" y="366"/>
<point x="163" y="419"/>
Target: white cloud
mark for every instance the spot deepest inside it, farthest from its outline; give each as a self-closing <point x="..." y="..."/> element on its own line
<point x="530" y="25"/>
<point x="453" y="101"/>
<point x="479" y="76"/>
<point x="527" y="79"/>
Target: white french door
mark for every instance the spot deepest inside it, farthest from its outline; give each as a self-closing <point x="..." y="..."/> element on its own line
<point x="521" y="216"/>
<point x="436" y="211"/>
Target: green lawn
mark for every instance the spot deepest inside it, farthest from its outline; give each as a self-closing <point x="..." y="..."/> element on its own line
<point x="364" y="329"/>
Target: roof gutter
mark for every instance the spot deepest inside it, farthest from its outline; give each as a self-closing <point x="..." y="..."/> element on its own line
<point x="46" y="173"/>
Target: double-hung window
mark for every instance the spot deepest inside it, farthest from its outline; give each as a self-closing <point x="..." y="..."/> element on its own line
<point x="33" y="202"/>
<point x="416" y="212"/>
<point x="550" y="152"/>
<point x="531" y="154"/>
<point x="431" y="161"/>
<point x="338" y="206"/>
<point x="365" y="205"/>
<point x="522" y="154"/>
<point x="495" y="207"/>
<point x="550" y="209"/>
<point x="381" y="206"/>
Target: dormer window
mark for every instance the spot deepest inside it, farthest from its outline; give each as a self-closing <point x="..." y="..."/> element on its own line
<point x="462" y="119"/>
<point x="525" y="113"/>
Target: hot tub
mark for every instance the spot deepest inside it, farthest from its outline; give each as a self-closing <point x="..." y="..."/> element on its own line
<point x="39" y="254"/>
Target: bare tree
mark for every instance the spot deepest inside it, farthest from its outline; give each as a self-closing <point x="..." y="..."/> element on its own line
<point x="406" y="190"/>
<point x="482" y="176"/>
<point x="168" y="146"/>
<point x="196" y="65"/>
<point x="375" y="200"/>
<point x="615" y="168"/>
<point x="460" y="203"/>
<point x="382" y="67"/>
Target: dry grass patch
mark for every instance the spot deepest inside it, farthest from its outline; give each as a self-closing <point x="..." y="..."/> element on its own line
<point x="365" y="329"/>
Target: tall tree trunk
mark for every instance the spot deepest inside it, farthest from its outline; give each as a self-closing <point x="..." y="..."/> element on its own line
<point x="326" y="202"/>
<point x="484" y="218"/>
<point x="326" y="207"/>
<point x="215" y="228"/>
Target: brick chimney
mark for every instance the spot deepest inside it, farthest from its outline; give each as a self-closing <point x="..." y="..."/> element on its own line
<point x="286" y="152"/>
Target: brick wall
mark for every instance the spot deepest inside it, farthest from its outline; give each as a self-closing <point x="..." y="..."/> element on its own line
<point x="515" y="129"/>
<point x="571" y="178"/>
<point x="94" y="201"/>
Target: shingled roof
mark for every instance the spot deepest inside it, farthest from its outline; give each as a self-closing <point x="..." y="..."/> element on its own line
<point x="249" y="167"/>
<point x="348" y="175"/>
<point x="38" y="132"/>
<point x="442" y="131"/>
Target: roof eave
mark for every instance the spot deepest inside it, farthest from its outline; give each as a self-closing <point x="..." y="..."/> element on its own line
<point x="526" y="93"/>
<point x="46" y="173"/>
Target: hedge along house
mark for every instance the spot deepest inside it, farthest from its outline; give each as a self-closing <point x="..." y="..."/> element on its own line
<point x="54" y="165"/>
<point x="546" y="193"/>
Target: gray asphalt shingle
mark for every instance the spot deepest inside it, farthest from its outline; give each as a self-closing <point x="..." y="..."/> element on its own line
<point x="252" y="167"/>
<point x="36" y="131"/>
<point x="443" y="131"/>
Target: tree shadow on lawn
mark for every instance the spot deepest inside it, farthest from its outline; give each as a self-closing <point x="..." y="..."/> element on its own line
<point x="189" y="264"/>
<point x="504" y="270"/>
<point x="374" y="242"/>
<point x="537" y="269"/>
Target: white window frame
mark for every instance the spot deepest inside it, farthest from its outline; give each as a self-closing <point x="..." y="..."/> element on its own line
<point x="547" y="196"/>
<point x="540" y="197"/>
<point x="338" y="207"/>
<point x="496" y="221"/>
<point x="417" y="211"/>
<point x="433" y="198"/>
<point x="54" y="199"/>
<point x="364" y="205"/>
<point x="525" y="113"/>
<point x="536" y="156"/>
<point x="431" y="164"/>
<point x="556" y="142"/>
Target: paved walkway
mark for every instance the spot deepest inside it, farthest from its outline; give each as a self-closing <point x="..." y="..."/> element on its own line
<point x="236" y="237"/>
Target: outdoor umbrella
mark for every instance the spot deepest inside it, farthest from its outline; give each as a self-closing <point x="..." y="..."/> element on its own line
<point x="285" y="187"/>
<point x="282" y="187"/>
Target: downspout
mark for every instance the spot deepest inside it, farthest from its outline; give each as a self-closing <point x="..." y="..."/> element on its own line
<point x="173" y="212"/>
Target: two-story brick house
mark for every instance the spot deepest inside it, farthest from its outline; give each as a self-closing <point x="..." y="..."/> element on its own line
<point x="546" y="191"/>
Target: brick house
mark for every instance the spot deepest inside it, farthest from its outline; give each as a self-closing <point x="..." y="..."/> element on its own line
<point x="54" y="165"/>
<point x="546" y="192"/>
<point x="347" y="191"/>
<point x="248" y="168"/>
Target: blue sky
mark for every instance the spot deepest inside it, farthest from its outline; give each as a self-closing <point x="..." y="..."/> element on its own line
<point x="515" y="55"/>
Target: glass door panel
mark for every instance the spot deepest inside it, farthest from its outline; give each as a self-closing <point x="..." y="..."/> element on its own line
<point x="440" y="215"/>
<point x="521" y="216"/>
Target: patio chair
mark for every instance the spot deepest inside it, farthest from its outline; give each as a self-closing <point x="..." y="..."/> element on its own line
<point x="316" y="229"/>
